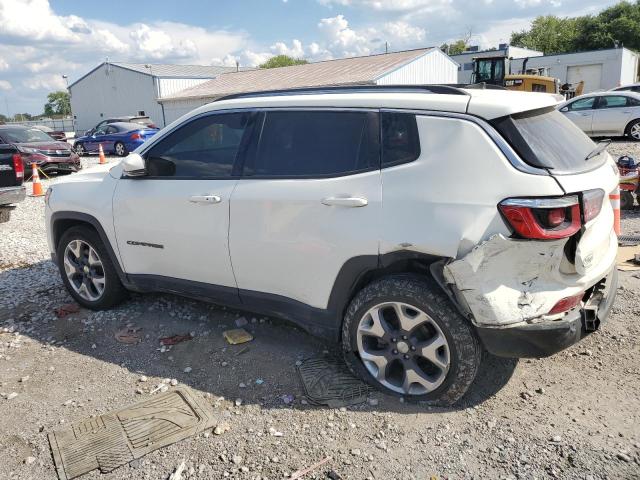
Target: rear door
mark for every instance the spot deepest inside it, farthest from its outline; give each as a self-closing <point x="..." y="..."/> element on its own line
<point x="580" y="112"/>
<point x="309" y="200"/>
<point x="612" y="114"/>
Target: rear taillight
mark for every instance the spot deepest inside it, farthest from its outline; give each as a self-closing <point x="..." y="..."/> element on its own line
<point x="566" y="304"/>
<point x="592" y="204"/>
<point x="18" y="166"/>
<point x="543" y="218"/>
<point x="136" y="136"/>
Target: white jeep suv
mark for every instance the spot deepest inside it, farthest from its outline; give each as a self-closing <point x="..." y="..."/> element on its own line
<point x="414" y="225"/>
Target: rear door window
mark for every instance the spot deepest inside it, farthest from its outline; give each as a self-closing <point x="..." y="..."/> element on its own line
<point x="545" y="138"/>
<point x="612" y="101"/>
<point x="315" y="144"/>
<point x="400" y="140"/>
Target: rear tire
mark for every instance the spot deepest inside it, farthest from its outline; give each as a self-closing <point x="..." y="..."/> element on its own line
<point x="432" y="354"/>
<point x="87" y="271"/>
<point x="626" y="200"/>
<point x="120" y="149"/>
<point x="633" y="130"/>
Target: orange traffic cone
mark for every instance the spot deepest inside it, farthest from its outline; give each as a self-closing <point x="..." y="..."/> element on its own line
<point x="102" y="157"/>
<point x="37" y="186"/>
<point x="614" y="197"/>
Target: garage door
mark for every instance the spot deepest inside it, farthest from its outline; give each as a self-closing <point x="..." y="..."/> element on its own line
<point x="590" y="74"/>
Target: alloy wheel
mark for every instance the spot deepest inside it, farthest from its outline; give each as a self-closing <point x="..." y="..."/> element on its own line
<point x="635" y="131"/>
<point x="80" y="149"/>
<point x="403" y="348"/>
<point x="84" y="270"/>
<point x="120" y="149"/>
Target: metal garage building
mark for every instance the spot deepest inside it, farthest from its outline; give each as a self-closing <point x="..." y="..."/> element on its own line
<point x="412" y="67"/>
<point x="599" y="69"/>
<point x="114" y="88"/>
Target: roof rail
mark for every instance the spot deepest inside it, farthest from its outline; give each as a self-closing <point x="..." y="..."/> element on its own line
<point x="437" y="89"/>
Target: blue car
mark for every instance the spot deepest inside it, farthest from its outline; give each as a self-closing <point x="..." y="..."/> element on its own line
<point x="119" y="138"/>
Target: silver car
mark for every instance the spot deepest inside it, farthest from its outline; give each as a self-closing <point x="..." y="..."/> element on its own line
<point x="605" y="114"/>
<point x="632" y="87"/>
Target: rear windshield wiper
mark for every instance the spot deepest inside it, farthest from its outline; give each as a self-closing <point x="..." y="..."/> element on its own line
<point x="598" y="150"/>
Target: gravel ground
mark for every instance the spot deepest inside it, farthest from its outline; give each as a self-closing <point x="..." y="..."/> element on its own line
<point x="572" y="416"/>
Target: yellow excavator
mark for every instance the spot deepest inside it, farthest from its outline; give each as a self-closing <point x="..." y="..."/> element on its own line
<point x="492" y="71"/>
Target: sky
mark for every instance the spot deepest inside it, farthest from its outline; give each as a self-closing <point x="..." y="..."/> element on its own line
<point x="42" y="40"/>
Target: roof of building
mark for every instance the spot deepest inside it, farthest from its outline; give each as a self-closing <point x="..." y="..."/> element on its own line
<point x="168" y="70"/>
<point x="344" y="71"/>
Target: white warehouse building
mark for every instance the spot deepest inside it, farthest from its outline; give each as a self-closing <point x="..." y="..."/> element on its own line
<point x="599" y="69"/>
<point x="114" y="89"/>
<point x="411" y="67"/>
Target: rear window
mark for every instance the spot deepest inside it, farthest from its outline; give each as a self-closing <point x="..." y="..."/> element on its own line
<point x="545" y="138"/>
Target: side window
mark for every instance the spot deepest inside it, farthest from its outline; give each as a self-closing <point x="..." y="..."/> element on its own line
<point x="633" y="102"/>
<point x="205" y="147"/>
<point x="612" y="102"/>
<point x="315" y="144"/>
<point x="110" y="129"/>
<point x="400" y="139"/>
<point x="582" y="104"/>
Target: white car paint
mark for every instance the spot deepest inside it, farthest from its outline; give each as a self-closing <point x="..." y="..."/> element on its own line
<point x="604" y="116"/>
<point x="282" y="237"/>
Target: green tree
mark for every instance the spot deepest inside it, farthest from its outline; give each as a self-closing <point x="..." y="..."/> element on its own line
<point x="454" y="48"/>
<point x="616" y="25"/>
<point x="58" y="103"/>
<point x="282" y="61"/>
<point x="549" y="34"/>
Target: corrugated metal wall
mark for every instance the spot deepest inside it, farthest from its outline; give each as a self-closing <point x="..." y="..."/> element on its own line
<point x="174" y="109"/>
<point x="111" y="91"/>
<point x="433" y="67"/>
<point x="169" y="86"/>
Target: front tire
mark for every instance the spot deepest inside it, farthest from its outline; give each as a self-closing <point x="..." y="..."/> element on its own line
<point x="120" y="149"/>
<point x="402" y="336"/>
<point x="87" y="271"/>
<point x="80" y="150"/>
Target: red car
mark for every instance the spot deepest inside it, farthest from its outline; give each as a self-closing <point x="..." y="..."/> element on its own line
<point x="37" y="147"/>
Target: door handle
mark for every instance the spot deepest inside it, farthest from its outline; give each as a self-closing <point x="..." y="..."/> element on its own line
<point x="586" y="114"/>
<point x="345" y="201"/>
<point x="205" y="199"/>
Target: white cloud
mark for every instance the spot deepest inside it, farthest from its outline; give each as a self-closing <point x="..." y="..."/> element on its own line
<point x="5" y="85"/>
<point x="157" y="44"/>
<point x="34" y="19"/>
<point x="49" y="82"/>
<point x="341" y="39"/>
<point x="3" y="65"/>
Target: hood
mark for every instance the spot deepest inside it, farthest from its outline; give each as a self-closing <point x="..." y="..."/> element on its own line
<point x="94" y="173"/>
<point x="52" y="145"/>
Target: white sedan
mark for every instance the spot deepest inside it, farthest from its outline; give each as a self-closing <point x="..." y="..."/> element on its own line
<point x="604" y="114"/>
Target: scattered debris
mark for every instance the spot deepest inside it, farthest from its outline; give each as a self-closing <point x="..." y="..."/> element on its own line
<point x="129" y="335"/>
<point x="301" y="473"/>
<point x="111" y="440"/>
<point x="288" y="399"/>
<point x="259" y="381"/>
<point x="66" y="309"/>
<point x="29" y="460"/>
<point x="221" y="428"/>
<point x="237" y="336"/>
<point x="275" y="433"/>
<point x="143" y="378"/>
<point x="242" y="350"/>
<point x="241" y="322"/>
<point x="175" y="339"/>
<point x="11" y="396"/>
<point x="626" y="258"/>
<point x="331" y="475"/>
<point x="187" y="370"/>
<point x="177" y="474"/>
<point x="24" y="379"/>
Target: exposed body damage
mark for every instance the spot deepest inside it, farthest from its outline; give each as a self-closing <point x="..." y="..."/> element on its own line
<point x="539" y="276"/>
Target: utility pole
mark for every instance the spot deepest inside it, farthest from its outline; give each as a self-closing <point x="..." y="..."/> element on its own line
<point x="386" y="47"/>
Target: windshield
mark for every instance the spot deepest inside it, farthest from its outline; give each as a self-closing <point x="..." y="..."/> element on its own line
<point x="545" y="138"/>
<point x="25" y="135"/>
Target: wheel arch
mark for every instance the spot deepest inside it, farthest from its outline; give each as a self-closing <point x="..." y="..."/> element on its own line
<point x="360" y="271"/>
<point x="63" y="221"/>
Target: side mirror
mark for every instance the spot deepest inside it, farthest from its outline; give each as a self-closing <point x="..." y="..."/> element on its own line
<point x="133" y="165"/>
<point x="564" y="109"/>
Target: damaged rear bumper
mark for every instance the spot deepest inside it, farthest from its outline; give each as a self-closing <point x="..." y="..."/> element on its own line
<point x="534" y="340"/>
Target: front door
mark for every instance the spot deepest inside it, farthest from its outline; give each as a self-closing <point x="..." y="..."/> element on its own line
<point x="172" y="224"/>
<point x="580" y="112"/>
<point x="309" y="201"/>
